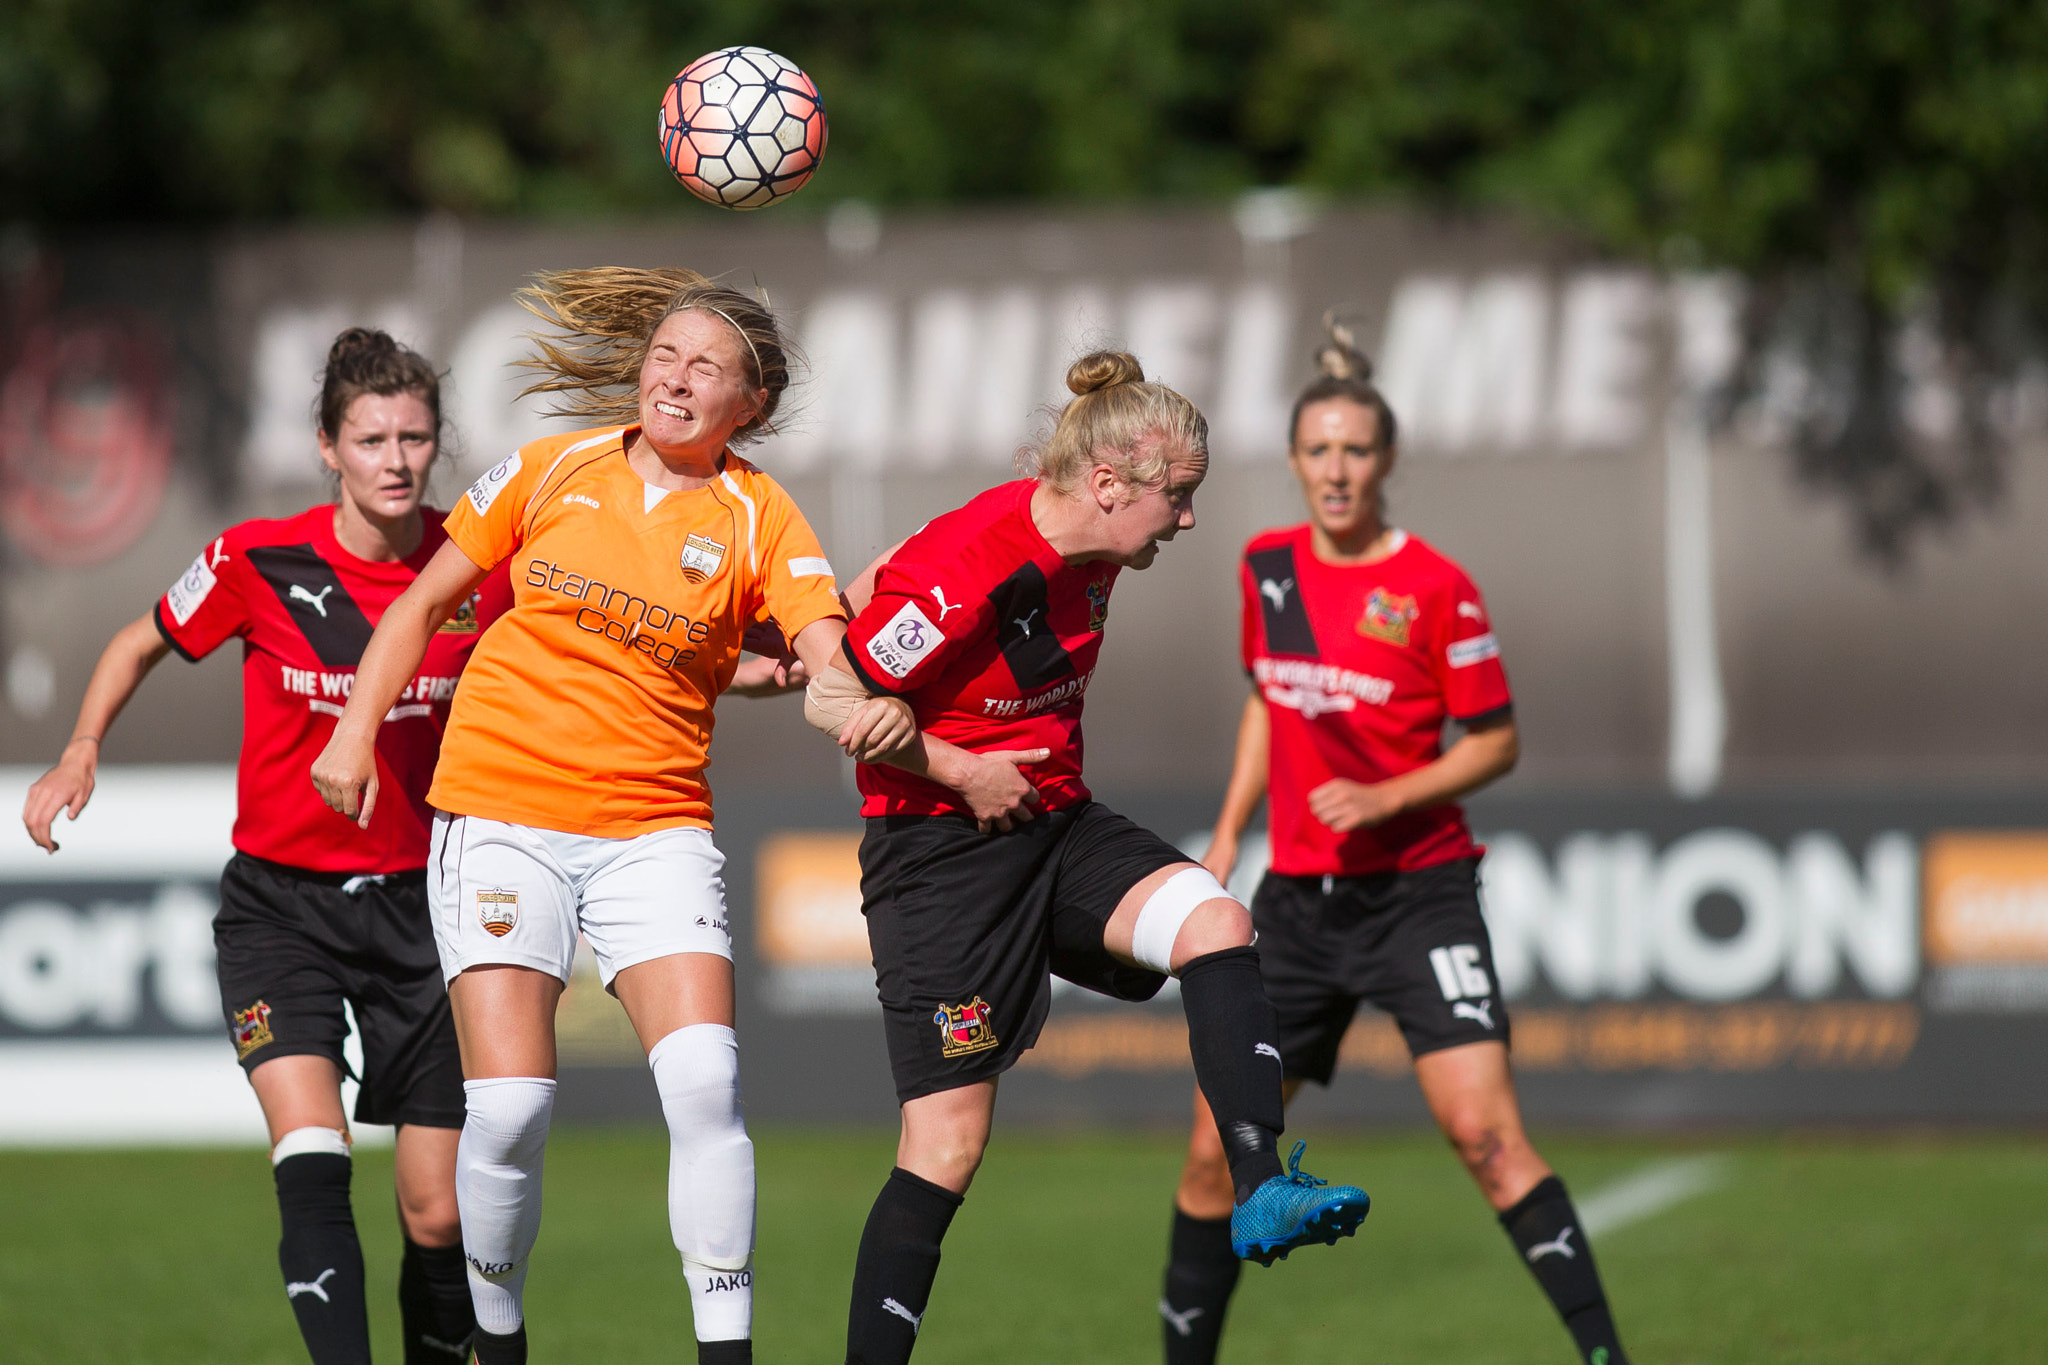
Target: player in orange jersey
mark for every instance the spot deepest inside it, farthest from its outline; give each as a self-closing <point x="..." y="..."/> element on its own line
<point x="570" y="790"/>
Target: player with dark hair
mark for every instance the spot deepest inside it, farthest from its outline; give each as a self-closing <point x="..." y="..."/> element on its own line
<point x="1361" y="641"/>
<point x="316" y="911"/>
<point x="986" y="866"/>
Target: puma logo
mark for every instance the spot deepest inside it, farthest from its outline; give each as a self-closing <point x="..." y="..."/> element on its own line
<point x="1276" y="593"/>
<point x="1024" y="621"/>
<point x="1480" y="1014"/>
<point x="914" y="1319"/>
<point x="458" y="1349"/>
<point x="219" y="552"/>
<point x="317" y="603"/>
<point x="1265" y="1050"/>
<point x="318" y="1287"/>
<point x="1561" y="1245"/>
<point x="939" y="596"/>
<point x="1472" y="610"/>
<point x="1183" y="1323"/>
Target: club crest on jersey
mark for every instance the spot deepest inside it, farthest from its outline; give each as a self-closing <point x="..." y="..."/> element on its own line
<point x="964" y="1029"/>
<point x="1387" y="617"/>
<point x="497" y="910"/>
<point x="1098" y="605"/>
<point x="252" y="1029"/>
<point x="463" y="622"/>
<point x="702" y="557"/>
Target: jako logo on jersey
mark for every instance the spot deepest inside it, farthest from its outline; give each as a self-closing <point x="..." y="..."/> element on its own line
<point x="1276" y="593"/>
<point x="1479" y="648"/>
<point x="1098" y="605"/>
<point x="939" y="596"/>
<point x="317" y="601"/>
<point x="497" y="910"/>
<point x="485" y="490"/>
<point x="1387" y="617"/>
<point x="701" y="558"/>
<point x="584" y="498"/>
<point x="1561" y="1245"/>
<point x="1314" y="688"/>
<point x="252" y="1029"/>
<point x="1480" y="1014"/>
<point x="907" y="638"/>
<point x="964" y="1028"/>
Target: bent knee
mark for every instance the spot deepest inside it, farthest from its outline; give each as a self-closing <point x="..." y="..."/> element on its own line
<point x="431" y="1222"/>
<point x="1216" y="926"/>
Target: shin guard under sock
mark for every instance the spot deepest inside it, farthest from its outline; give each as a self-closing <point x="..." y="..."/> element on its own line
<point x="710" y="1181"/>
<point x="1545" y="1228"/>
<point x="1233" y="1037"/>
<point x="1200" y="1278"/>
<point x="433" y="1305"/>
<point x="498" y="1168"/>
<point x="899" y="1259"/>
<point x="321" y="1258"/>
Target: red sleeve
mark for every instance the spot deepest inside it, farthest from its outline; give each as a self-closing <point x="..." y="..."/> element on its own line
<point x="206" y="606"/>
<point x="1467" y="656"/>
<point x="907" y="632"/>
<point x="1250" y="621"/>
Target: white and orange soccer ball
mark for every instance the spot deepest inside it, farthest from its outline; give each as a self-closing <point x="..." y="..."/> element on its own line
<point x="742" y="127"/>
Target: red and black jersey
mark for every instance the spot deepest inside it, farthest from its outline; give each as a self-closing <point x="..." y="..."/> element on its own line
<point x="304" y="608"/>
<point x="1360" y="665"/>
<point x="992" y="638"/>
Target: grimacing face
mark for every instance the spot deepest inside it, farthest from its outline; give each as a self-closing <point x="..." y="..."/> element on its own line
<point x="1341" y="463"/>
<point x="694" y="389"/>
<point x="382" y="452"/>
<point x="1160" y="512"/>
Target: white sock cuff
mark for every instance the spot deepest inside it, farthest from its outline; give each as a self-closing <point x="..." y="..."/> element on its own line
<point x="309" y="1141"/>
<point x="694" y="1040"/>
<point x="509" y="1103"/>
<point x="1166" y="910"/>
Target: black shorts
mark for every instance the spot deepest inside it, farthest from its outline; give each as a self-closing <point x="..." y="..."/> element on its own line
<point x="292" y="945"/>
<point x="1413" y="943"/>
<point x="968" y="929"/>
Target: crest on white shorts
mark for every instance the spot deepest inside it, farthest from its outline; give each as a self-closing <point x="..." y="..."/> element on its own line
<point x="701" y="558"/>
<point x="497" y="910"/>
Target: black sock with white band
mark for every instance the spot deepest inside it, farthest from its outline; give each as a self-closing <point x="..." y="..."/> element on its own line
<point x="1545" y="1228"/>
<point x="1233" y="1037"/>
<point x="317" y="1250"/>
<point x="899" y="1260"/>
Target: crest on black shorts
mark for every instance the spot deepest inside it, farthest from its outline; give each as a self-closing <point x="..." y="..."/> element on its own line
<point x="252" y="1029"/>
<point x="965" y="1028"/>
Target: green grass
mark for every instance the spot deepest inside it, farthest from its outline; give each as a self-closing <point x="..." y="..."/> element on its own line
<point x="1908" y="1250"/>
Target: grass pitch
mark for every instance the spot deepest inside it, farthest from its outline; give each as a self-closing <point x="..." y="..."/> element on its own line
<point x="1907" y="1250"/>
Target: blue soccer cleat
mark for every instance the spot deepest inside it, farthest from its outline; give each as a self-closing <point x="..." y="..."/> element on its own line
<point x="1294" y="1210"/>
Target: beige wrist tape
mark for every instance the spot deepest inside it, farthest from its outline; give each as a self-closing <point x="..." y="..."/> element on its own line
<point x="832" y="698"/>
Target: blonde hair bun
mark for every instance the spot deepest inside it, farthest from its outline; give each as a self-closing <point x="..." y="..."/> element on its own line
<point x="1102" y="370"/>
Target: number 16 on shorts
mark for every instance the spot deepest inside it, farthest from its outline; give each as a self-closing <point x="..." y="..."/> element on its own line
<point x="1463" y="980"/>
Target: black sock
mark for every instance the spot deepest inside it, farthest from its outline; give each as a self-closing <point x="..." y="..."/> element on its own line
<point x="492" y="1349"/>
<point x="321" y="1258"/>
<point x="740" y="1352"/>
<point x="1233" y="1035"/>
<point x="1199" y="1281"/>
<point x="1545" y="1229"/>
<point x="899" y="1259"/>
<point x="434" y="1306"/>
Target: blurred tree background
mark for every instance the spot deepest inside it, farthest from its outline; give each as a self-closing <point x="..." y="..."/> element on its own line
<point x="1866" y="162"/>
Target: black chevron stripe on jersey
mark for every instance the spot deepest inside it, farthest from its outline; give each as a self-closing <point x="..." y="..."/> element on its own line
<point x="1029" y="643"/>
<point x="321" y="607"/>
<point x="1287" y="625"/>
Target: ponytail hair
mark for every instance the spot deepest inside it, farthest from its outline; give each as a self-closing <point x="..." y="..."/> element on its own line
<point x="604" y="319"/>
<point x="1113" y="410"/>
<point x="1343" y="371"/>
<point x="363" y="360"/>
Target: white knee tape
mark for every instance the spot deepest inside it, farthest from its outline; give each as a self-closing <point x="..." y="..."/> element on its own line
<point x="1160" y="921"/>
<point x="711" y="1158"/>
<point x="304" y="1141"/>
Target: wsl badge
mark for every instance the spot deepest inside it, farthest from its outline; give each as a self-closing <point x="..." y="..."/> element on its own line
<point x="1387" y="617"/>
<point x="497" y="910"/>
<point x="702" y="557"/>
<point x="965" y="1029"/>
<point x="252" y="1029"/>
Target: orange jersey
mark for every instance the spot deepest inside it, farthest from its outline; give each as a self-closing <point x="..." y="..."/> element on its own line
<point x="587" y="707"/>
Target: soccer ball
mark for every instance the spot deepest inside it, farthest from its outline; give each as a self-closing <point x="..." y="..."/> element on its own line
<point x="742" y="127"/>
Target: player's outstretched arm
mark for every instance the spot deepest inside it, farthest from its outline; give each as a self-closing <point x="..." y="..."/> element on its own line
<point x="1486" y="751"/>
<point x="346" y="771"/>
<point x="135" y="649"/>
<point x="1248" y="776"/>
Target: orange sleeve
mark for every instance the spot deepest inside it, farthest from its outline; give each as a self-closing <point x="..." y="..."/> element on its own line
<point x="489" y="521"/>
<point x="796" y="584"/>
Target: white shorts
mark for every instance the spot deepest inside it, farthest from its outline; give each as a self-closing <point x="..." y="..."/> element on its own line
<point x="514" y="894"/>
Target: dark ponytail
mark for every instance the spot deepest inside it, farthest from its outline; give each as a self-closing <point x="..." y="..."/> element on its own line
<point x="1343" y="371"/>
<point x="363" y="360"/>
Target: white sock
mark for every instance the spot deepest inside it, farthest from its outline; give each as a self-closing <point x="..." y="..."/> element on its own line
<point x="710" y="1175"/>
<point x="497" y="1189"/>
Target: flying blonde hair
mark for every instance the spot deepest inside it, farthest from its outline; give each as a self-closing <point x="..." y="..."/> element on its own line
<point x="603" y="320"/>
<point x="1113" y="410"/>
